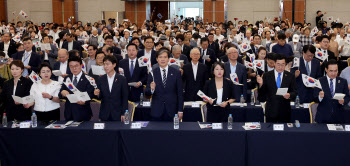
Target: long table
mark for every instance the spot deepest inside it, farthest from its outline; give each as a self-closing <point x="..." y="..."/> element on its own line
<point x="159" y="144"/>
<point x="248" y="113"/>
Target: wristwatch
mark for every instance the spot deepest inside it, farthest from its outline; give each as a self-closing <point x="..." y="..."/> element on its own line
<point x="51" y="98"/>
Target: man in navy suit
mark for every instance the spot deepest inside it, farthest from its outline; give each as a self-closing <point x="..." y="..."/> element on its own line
<point x="134" y="73"/>
<point x="148" y="51"/>
<point x="330" y="110"/>
<point x="62" y="65"/>
<point x="70" y="44"/>
<point x="166" y="89"/>
<point x="112" y="91"/>
<point x="309" y="66"/>
<point x="30" y="59"/>
<point x="232" y="66"/>
<point x="207" y="51"/>
<point x="80" y="111"/>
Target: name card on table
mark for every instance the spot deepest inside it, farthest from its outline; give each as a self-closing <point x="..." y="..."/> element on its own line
<point x="306" y="105"/>
<point x="278" y="127"/>
<point x="195" y="105"/>
<point x="146" y="104"/>
<point x="136" y="125"/>
<point x="347" y="127"/>
<point x="99" y="125"/>
<point x="217" y="125"/>
<point x="24" y="125"/>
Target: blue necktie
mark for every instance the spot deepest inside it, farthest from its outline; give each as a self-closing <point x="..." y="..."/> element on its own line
<point x="331" y="87"/>
<point x="132" y="68"/>
<point x="307" y="68"/>
<point x="278" y="83"/>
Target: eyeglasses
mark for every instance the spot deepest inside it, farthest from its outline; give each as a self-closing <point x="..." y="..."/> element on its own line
<point x="75" y="67"/>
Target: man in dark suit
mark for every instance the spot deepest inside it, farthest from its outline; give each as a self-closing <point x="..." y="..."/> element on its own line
<point x="166" y="89"/>
<point x="70" y="44"/>
<point x="109" y="41"/>
<point x="62" y="65"/>
<point x="232" y="66"/>
<point x="277" y="107"/>
<point x="324" y="49"/>
<point x="112" y="90"/>
<point x="30" y="59"/>
<point x="134" y="73"/>
<point x="331" y="110"/>
<point x="194" y="76"/>
<point x="8" y="44"/>
<point x="310" y="67"/>
<point x="207" y="51"/>
<point x="213" y="44"/>
<point x="80" y="111"/>
<point x="184" y="48"/>
<point x="176" y="53"/>
<point x="148" y="51"/>
<point x="255" y="45"/>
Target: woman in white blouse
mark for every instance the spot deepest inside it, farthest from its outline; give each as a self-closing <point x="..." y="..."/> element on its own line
<point x="45" y="94"/>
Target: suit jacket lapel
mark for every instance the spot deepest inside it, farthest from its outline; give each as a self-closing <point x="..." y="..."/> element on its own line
<point x="284" y="81"/>
<point x="337" y="86"/>
<point x="191" y="73"/>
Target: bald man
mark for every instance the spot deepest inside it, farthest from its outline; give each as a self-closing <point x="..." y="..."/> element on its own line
<point x="61" y="65"/>
<point x="194" y="76"/>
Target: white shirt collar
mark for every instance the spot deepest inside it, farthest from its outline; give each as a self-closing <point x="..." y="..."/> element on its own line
<point x="194" y="64"/>
<point x="78" y="76"/>
<point x="276" y="73"/>
<point x="166" y="68"/>
<point x="26" y="52"/>
<point x="112" y="76"/>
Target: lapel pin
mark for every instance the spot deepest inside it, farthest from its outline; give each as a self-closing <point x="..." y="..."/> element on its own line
<point x="115" y="80"/>
<point x="338" y="81"/>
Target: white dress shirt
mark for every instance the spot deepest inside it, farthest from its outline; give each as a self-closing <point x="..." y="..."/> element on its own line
<point x="6" y="48"/>
<point x="44" y="104"/>
<point x="133" y="63"/>
<point x="24" y="56"/>
<point x="110" y="81"/>
<point x="70" y="45"/>
<point x="309" y="64"/>
<point x="219" y="95"/>
<point x="63" y="69"/>
<point x="148" y="54"/>
<point x="162" y="73"/>
<point x="195" y="69"/>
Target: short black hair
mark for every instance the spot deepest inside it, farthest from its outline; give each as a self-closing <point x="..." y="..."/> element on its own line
<point x="94" y="47"/>
<point x="318" y="11"/>
<point x="310" y="48"/>
<point x="110" y="58"/>
<point x="109" y="37"/>
<point x="256" y="35"/>
<point x="214" y="65"/>
<point x="210" y="34"/>
<point x="204" y="39"/>
<point x="280" y="57"/>
<point x="324" y="37"/>
<point x="281" y="36"/>
<point x="163" y="50"/>
<point x="18" y="45"/>
<point x="132" y="44"/>
<point x="180" y="36"/>
<point x="73" y="53"/>
<point x="74" y="58"/>
<point x="26" y="39"/>
<point x="148" y="37"/>
<point x="45" y="64"/>
<point x="271" y="56"/>
<point x="331" y="62"/>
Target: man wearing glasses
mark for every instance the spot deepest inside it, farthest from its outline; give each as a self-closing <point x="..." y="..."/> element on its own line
<point x="149" y="52"/>
<point x="324" y="49"/>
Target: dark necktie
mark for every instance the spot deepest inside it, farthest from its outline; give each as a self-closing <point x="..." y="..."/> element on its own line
<point x="75" y="81"/>
<point x="307" y="68"/>
<point x="331" y="87"/>
<point x="132" y="68"/>
<point x="164" y="77"/>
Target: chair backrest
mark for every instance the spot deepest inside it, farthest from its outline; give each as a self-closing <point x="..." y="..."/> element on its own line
<point x="95" y="108"/>
<point x="204" y="112"/>
<point x="313" y="110"/>
<point x="62" y="107"/>
<point x="131" y="109"/>
<point x="348" y="61"/>
<point x="255" y="92"/>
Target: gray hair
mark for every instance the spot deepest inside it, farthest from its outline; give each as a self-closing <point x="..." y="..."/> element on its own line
<point x="176" y="47"/>
<point x="231" y="48"/>
<point x="195" y="48"/>
<point x="123" y="44"/>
